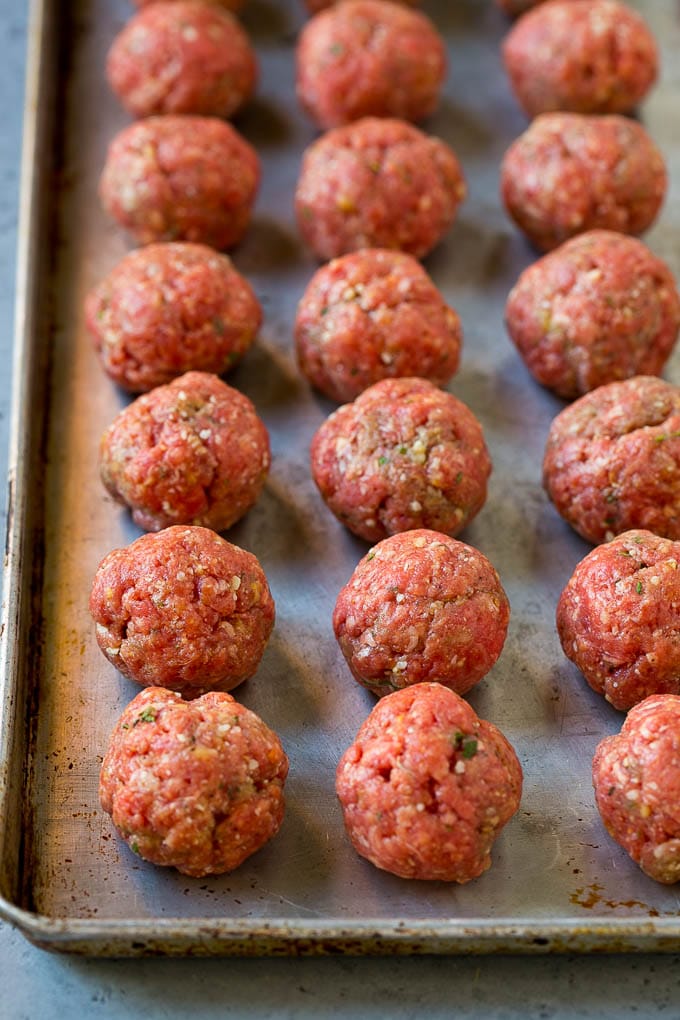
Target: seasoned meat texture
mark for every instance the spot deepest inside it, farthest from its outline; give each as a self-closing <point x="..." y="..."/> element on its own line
<point x="601" y="307"/>
<point x="636" y="775"/>
<point x="167" y="309"/>
<point x="421" y="606"/>
<point x="572" y="172"/>
<point x="618" y="618"/>
<point x="182" y="609"/>
<point x="612" y="460"/>
<point x="427" y="786"/>
<point x="231" y="5"/>
<point x="378" y="182"/>
<point x="367" y="58"/>
<point x="197" y="785"/>
<point x="404" y="455"/>
<point x="182" y="57"/>
<point x="320" y="5"/>
<point x="586" y="56"/>
<point x="192" y="452"/>
<point x="181" y="178"/>
<point x="371" y="315"/>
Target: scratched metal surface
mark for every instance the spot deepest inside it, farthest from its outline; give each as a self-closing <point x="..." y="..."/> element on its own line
<point x="557" y="881"/>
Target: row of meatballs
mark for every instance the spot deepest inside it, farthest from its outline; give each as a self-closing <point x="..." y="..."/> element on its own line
<point x="426" y="786"/>
<point x="375" y="180"/>
<point x="460" y="740"/>
<point x="199" y="784"/>
<point x="377" y="58"/>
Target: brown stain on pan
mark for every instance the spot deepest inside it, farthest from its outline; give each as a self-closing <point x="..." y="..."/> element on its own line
<point x="590" y="896"/>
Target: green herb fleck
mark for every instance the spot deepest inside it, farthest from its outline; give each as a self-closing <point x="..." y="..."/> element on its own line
<point x="148" y="715"/>
<point x="125" y="726"/>
<point x="638" y="588"/>
<point x="624" y="552"/>
<point x="464" y="743"/>
<point x="469" y="747"/>
<point x="459" y="478"/>
<point x="218" y="325"/>
<point x="324" y="310"/>
<point x="382" y="460"/>
<point x="336" y="49"/>
<point x="134" y="846"/>
<point x="370" y="556"/>
<point x="637" y="540"/>
<point x="403" y="449"/>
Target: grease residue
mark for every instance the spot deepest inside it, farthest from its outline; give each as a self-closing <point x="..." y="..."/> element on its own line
<point x="590" y="896"/>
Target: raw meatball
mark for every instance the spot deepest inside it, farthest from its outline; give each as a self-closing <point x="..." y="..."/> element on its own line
<point x="601" y="307"/>
<point x="636" y="775"/>
<point x="421" y="606"/>
<point x="612" y="460"/>
<point x="369" y="58"/>
<point x="379" y="183"/>
<point x="404" y="455"/>
<point x="181" y="178"/>
<point x="587" y="56"/>
<point x="618" y="618"/>
<point x="192" y="452"/>
<point x="371" y="315"/>
<point x="427" y="786"/>
<point x="570" y="172"/>
<point x="182" y="609"/>
<point x="182" y="57"/>
<point x="197" y="785"/>
<point x="169" y="308"/>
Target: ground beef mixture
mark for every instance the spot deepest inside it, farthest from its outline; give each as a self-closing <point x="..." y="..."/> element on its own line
<point x="573" y="172"/>
<point x="587" y="56"/>
<point x="181" y="178"/>
<point x="601" y="307"/>
<point x="427" y="786"/>
<point x="618" y="618"/>
<point x="182" y="609"/>
<point x="196" y="785"/>
<point x="367" y="58"/>
<point x="182" y="57"/>
<point x="370" y="315"/>
<point x="421" y="606"/>
<point x="167" y="309"/>
<point x="636" y="775"/>
<point x="404" y="455"/>
<point x="612" y="460"/>
<point x="377" y="183"/>
<point x="192" y="452"/>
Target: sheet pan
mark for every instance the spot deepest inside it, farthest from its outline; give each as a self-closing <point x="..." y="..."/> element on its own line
<point x="558" y="882"/>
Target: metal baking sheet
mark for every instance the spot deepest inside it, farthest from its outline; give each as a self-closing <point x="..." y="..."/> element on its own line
<point x="557" y="881"/>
